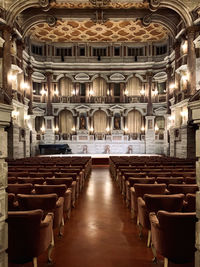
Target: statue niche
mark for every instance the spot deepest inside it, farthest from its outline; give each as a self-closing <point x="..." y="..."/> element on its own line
<point x="82" y="123"/>
<point x="117" y="123"/>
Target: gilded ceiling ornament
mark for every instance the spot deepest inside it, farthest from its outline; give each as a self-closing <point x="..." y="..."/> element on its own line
<point x="154" y="5"/>
<point x="44" y="3"/>
<point x="51" y="20"/>
<point x="100" y="3"/>
<point x="146" y="21"/>
<point x="99" y="17"/>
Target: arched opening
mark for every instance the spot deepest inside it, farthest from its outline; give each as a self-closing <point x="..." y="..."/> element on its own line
<point x="66" y="122"/>
<point x="134" y="86"/>
<point x="99" y="87"/>
<point x="100" y="121"/>
<point x="66" y="86"/>
<point x="134" y="123"/>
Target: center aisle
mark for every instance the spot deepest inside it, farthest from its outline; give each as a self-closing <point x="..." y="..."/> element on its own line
<point x="100" y="232"/>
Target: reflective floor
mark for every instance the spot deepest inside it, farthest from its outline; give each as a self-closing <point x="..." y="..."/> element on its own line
<point x="100" y="232"/>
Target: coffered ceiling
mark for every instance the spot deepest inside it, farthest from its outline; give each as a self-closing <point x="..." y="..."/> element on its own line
<point x="89" y="31"/>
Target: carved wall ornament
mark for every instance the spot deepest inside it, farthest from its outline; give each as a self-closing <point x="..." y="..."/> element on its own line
<point x="146" y="21"/>
<point x="51" y="20"/>
<point x="154" y="5"/>
<point x="100" y="3"/>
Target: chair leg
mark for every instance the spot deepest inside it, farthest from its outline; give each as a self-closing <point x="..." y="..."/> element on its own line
<point x="61" y="227"/>
<point x="165" y="262"/>
<point x="154" y="254"/>
<point x="149" y="239"/>
<point x="50" y="248"/>
<point x="35" y="262"/>
<point x="140" y="231"/>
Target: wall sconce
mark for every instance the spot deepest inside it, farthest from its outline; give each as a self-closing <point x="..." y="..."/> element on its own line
<point x="42" y="129"/>
<point x="185" y="77"/>
<point x="43" y="92"/>
<point x="15" y="114"/>
<point x="56" y="93"/>
<point x="142" y="129"/>
<point x="25" y="85"/>
<point x="126" y="92"/>
<point x="172" y="118"/>
<point x="125" y="129"/>
<point x="91" y="129"/>
<point x="12" y="77"/>
<point x="73" y="129"/>
<point x="74" y="92"/>
<point x="108" y="92"/>
<point x="91" y="93"/>
<point x="172" y="86"/>
<point x="26" y="117"/>
<point x="56" y="129"/>
<point x="156" y="128"/>
<point x="155" y="92"/>
<point x="142" y="92"/>
<point x="184" y="114"/>
<point x="185" y="47"/>
<point x="108" y="129"/>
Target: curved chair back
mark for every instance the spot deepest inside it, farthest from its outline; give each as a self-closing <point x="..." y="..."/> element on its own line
<point x="56" y="181"/>
<point x="141" y="189"/>
<point x="178" y="244"/>
<point x="50" y="189"/>
<point x="182" y="188"/>
<point x="20" y="188"/>
<point x="23" y="235"/>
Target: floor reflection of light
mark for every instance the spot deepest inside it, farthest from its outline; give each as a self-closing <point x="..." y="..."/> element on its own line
<point x="91" y="190"/>
<point x="107" y="191"/>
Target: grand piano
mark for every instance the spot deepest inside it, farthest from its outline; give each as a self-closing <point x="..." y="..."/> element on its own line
<point x="47" y="149"/>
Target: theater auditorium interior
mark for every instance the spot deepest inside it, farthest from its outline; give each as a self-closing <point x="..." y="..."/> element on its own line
<point x="100" y="133"/>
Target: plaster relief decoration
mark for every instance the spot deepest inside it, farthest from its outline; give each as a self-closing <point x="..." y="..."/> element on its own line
<point x="100" y="3"/>
<point x="117" y="77"/>
<point x="82" y="77"/>
<point x="154" y="5"/>
<point x="88" y="31"/>
<point x="86" y="4"/>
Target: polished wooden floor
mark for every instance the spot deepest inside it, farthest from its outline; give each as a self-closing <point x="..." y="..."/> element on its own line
<point x="100" y="232"/>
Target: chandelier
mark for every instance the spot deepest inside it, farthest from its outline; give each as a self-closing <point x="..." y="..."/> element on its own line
<point x="100" y="3"/>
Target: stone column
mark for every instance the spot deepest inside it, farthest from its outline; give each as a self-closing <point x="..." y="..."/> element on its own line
<point x="49" y="93"/>
<point x="150" y="135"/>
<point x="191" y="61"/>
<point x="7" y="62"/>
<point x="30" y="94"/>
<point x="5" y="115"/>
<point x="169" y="73"/>
<point x="177" y="57"/>
<point x="149" y="105"/>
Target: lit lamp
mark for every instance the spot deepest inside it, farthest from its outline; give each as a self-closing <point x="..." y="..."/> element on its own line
<point x="25" y="85"/>
<point x="56" y="93"/>
<point x="56" y="129"/>
<point x="108" y="129"/>
<point x="91" y="129"/>
<point x="108" y="92"/>
<point x="185" y="47"/>
<point x="185" y="77"/>
<point x="126" y="92"/>
<point x="73" y="129"/>
<point x="74" y="92"/>
<point x="91" y="93"/>
<point x="12" y="77"/>
<point x="42" y="129"/>
<point x="156" y="128"/>
<point x="155" y="92"/>
<point x="142" y="129"/>
<point x="172" y="86"/>
<point x="43" y="92"/>
<point x="125" y="129"/>
<point x="26" y="117"/>
<point x="15" y="114"/>
<point x="142" y="92"/>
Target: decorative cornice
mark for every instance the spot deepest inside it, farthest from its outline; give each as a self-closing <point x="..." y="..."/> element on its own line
<point x="154" y="5"/>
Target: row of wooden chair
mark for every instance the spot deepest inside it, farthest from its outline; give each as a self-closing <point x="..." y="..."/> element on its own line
<point x="38" y="208"/>
<point x="163" y="205"/>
